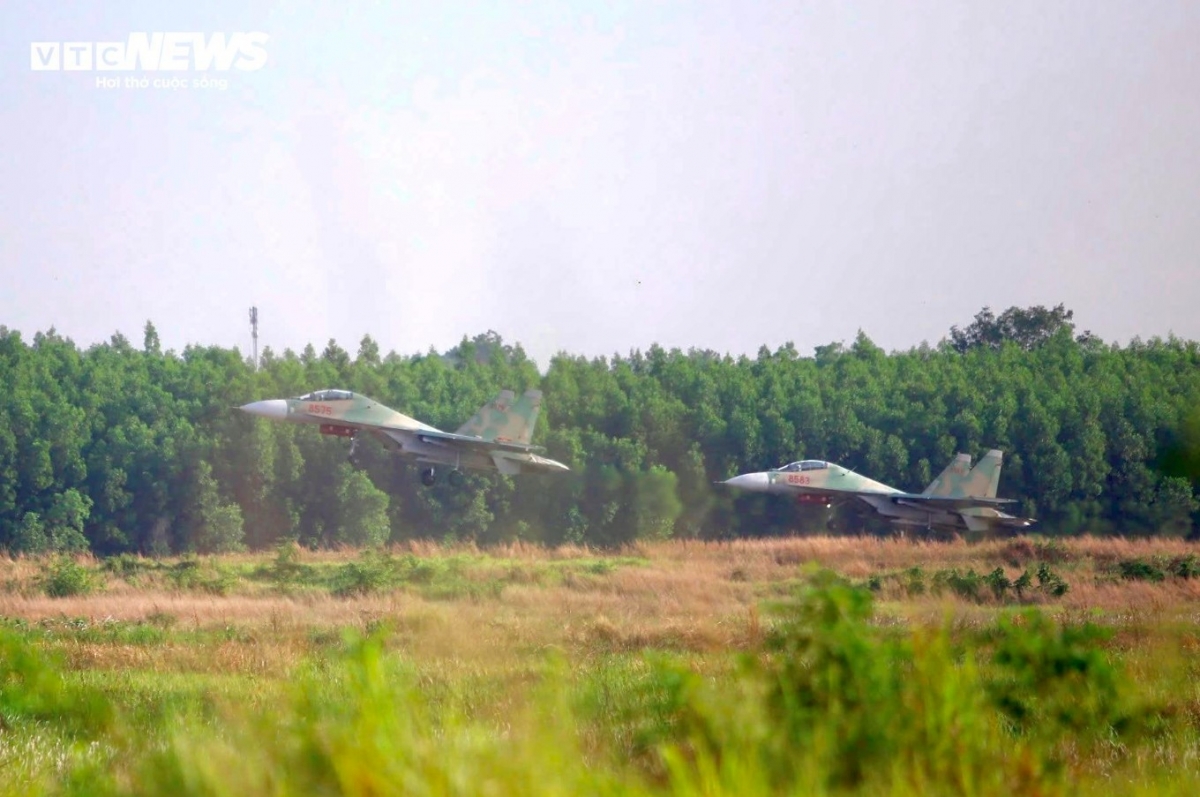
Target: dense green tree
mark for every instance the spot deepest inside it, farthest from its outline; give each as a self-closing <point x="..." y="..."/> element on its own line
<point x="362" y="510"/>
<point x="65" y="520"/>
<point x="217" y="523"/>
<point x="1026" y="327"/>
<point x="124" y="449"/>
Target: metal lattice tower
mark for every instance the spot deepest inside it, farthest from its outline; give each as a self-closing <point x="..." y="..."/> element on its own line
<point x="254" y="333"/>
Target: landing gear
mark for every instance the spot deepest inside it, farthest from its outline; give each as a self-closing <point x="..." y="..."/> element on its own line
<point x="353" y="460"/>
<point x="454" y="476"/>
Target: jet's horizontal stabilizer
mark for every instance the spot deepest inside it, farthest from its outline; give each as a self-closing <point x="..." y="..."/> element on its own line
<point x="975" y="523"/>
<point x="506" y="465"/>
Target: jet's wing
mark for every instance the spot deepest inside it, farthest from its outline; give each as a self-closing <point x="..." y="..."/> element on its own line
<point x="946" y="502"/>
<point x="467" y="441"/>
<point x="808" y="493"/>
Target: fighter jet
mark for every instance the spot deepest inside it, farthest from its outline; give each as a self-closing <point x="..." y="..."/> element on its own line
<point x="959" y="498"/>
<point x="496" y="438"/>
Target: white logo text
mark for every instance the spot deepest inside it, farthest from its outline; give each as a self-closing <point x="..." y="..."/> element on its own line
<point x="154" y="52"/>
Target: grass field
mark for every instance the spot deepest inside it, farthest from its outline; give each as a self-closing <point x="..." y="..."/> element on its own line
<point x="815" y="665"/>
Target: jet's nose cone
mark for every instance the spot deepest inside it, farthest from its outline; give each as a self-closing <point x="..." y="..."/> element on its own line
<point x="757" y="482"/>
<point x="272" y="408"/>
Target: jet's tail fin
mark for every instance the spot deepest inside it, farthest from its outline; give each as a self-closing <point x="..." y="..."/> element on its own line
<point x="506" y="418"/>
<point x="952" y="480"/>
<point x="984" y="479"/>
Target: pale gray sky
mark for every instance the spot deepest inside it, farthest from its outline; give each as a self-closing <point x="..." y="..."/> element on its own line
<point x="597" y="177"/>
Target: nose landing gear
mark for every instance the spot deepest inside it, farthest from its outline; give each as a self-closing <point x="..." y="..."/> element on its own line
<point x="455" y="477"/>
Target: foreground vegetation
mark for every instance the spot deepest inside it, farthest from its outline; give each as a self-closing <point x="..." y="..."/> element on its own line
<point x="118" y="448"/>
<point x="820" y="665"/>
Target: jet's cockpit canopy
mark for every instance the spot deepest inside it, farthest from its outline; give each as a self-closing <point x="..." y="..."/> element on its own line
<point x="807" y="464"/>
<point x="327" y="395"/>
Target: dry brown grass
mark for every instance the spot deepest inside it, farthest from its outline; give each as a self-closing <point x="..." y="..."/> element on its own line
<point x="692" y="596"/>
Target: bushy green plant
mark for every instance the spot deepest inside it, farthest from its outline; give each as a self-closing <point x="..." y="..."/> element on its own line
<point x="191" y="574"/>
<point x="286" y="571"/>
<point x="835" y="702"/>
<point x="600" y="567"/>
<point x="1140" y="570"/>
<point x="999" y="583"/>
<point x="827" y="666"/>
<point x="64" y="577"/>
<point x="1051" y="582"/>
<point x="1185" y="566"/>
<point x="1022" y="583"/>
<point x="1051" y="679"/>
<point x="965" y="585"/>
<point x="126" y="565"/>
<point x="375" y="571"/>
<point x="915" y="583"/>
<point x="34" y="691"/>
<point x="420" y="571"/>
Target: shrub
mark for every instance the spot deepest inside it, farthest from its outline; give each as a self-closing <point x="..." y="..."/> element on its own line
<point x="189" y="574"/>
<point x="965" y="585"/>
<point x="375" y="571"/>
<point x="1050" y="582"/>
<point x="420" y="571"/>
<point x="1140" y="570"/>
<point x="832" y="669"/>
<point x="999" y="583"/>
<point x="33" y="690"/>
<point x="286" y="570"/>
<point x="126" y="565"/>
<point x="838" y="703"/>
<point x="1023" y="582"/>
<point x="1185" y="566"/>
<point x="65" y="577"/>
<point x="1051" y="679"/>
<point x="916" y="581"/>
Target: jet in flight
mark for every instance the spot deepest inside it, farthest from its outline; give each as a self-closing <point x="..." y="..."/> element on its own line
<point x="496" y="438"/>
<point x="959" y="498"/>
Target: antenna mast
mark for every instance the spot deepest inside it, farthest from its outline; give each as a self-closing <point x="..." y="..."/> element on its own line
<point x="254" y="333"/>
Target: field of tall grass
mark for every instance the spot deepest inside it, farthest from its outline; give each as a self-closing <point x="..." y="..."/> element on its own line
<point x="814" y="665"/>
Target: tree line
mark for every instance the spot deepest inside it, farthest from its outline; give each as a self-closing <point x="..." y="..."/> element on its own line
<point x="116" y="448"/>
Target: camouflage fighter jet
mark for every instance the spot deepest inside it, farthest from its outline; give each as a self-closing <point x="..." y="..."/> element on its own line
<point x="959" y="498"/>
<point x="496" y="438"/>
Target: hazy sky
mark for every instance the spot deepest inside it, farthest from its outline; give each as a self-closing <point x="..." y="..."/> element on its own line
<point x="596" y="177"/>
